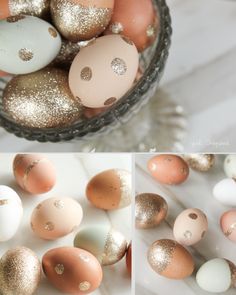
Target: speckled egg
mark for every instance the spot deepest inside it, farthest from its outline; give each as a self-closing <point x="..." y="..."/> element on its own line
<point x="225" y="191"/>
<point x="81" y="19"/>
<point x="56" y="217"/>
<point x="170" y="259"/>
<point x="168" y="169"/>
<point x="200" y="162"/>
<point x="228" y="224"/>
<point x="230" y="166"/>
<point x="23" y="50"/>
<point x="129" y="259"/>
<point x="190" y="226"/>
<point x="110" y="189"/>
<point x="104" y="71"/>
<point x="105" y="243"/>
<point x="72" y="270"/>
<point x="34" y="173"/>
<point x="130" y="20"/>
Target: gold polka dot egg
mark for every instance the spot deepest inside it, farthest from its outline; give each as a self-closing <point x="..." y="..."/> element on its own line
<point x="27" y="44"/>
<point x="104" y="71"/>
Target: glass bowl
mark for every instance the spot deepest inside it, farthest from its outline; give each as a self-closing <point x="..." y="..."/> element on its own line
<point x="152" y="62"/>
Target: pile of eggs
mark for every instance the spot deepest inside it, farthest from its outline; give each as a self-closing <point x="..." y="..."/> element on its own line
<point x="69" y="58"/>
<point x="73" y="269"/>
<point x="171" y="258"/>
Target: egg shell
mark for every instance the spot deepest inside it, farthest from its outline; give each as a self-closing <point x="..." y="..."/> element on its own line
<point x="170" y="259"/>
<point x="105" y="243"/>
<point x="230" y="166"/>
<point x="168" y="169"/>
<point x="215" y="275"/>
<point x="130" y="20"/>
<point x="110" y="189"/>
<point x="228" y="224"/>
<point x="72" y="270"/>
<point x="200" y="162"/>
<point x="56" y="217"/>
<point x="225" y="191"/>
<point x="104" y="71"/>
<point x="129" y="259"/>
<point x="22" y="44"/>
<point x="190" y="226"/>
<point x="34" y="173"/>
<point x="11" y="212"/>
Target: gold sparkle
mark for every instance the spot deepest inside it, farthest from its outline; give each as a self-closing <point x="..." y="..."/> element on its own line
<point x="49" y="226"/>
<point x="38" y="8"/>
<point x="4" y="202"/>
<point x="116" y="28"/>
<point x="59" y="204"/>
<point x="125" y="187"/>
<point x="110" y="101"/>
<point x="14" y="19"/>
<point x="52" y="32"/>
<point x="151" y="31"/>
<point x="86" y="74"/>
<point x="25" y="54"/>
<point x="187" y="234"/>
<point x="59" y="269"/>
<point x="118" y="65"/>
<point x="84" y="286"/>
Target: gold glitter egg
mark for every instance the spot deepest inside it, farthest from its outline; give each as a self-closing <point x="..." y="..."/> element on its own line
<point x="20" y="272"/>
<point x="150" y="210"/>
<point x="105" y="243"/>
<point x="200" y="162"/>
<point x="170" y="259"/>
<point x="41" y="100"/>
<point x="81" y="19"/>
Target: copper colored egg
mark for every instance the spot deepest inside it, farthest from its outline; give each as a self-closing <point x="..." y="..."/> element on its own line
<point x="200" y="162"/>
<point x="129" y="259"/>
<point x="137" y="20"/>
<point x="150" y="210"/>
<point x="168" y="169"/>
<point x="110" y="189"/>
<point x="72" y="270"/>
<point x="34" y="173"/>
<point x="228" y="224"/>
<point x="170" y="259"/>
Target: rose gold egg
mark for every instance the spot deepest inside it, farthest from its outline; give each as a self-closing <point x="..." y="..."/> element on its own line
<point x="129" y="259"/>
<point x="137" y="20"/>
<point x="72" y="270"/>
<point x="228" y="224"/>
<point x="190" y="226"/>
<point x="110" y="189"/>
<point x="104" y="71"/>
<point x="170" y="259"/>
<point x="34" y="173"/>
<point x="168" y="169"/>
<point x="56" y="217"/>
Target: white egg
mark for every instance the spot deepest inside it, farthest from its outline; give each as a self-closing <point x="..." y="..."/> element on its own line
<point x="215" y="275"/>
<point x="230" y="166"/>
<point x="10" y="212"/>
<point x="225" y="191"/>
<point x="27" y="44"/>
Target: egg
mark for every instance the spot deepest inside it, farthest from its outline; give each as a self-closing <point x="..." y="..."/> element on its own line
<point x="170" y="259"/>
<point x="41" y="100"/>
<point x="190" y="226"/>
<point x="225" y="191"/>
<point x="20" y="272"/>
<point x="38" y="8"/>
<point x="130" y="20"/>
<point x="34" y="173"/>
<point x="105" y="243"/>
<point x="150" y="210"/>
<point x="230" y="166"/>
<point x="216" y="275"/>
<point x="3" y="74"/>
<point x="81" y="19"/>
<point x="228" y="224"/>
<point x="129" y="259"/>
<point x="72" y="270"/>
<point x="110" y="189"/>
<point x="104" y="71"/>
<point x="56" y="217"/>
<point x="200" y="162"/>
<point x="168" y="169"/>
<point x="11" y="212"/>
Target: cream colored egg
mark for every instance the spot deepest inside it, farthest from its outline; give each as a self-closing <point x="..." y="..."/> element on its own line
<point x="230" y="166"/>
<point x="225" y="191"/>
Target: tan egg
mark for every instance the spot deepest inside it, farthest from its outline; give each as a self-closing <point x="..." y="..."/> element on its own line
<point x="200" y="162"/>
<point x="170" y="259"/>
<point x="104" y="71"/>
<point x="56" y="217"/>
<point x="190" y="226"/>
<point x="110" y="189"/>
<point x="72" y="270"/>
<point x="168" y="169"/>
<point x="34" y="173"/>
<point x="150" y="210"/>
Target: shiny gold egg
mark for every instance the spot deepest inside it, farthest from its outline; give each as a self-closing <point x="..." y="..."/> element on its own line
<point x="41" y="100"/>
<point x="150" y="210"/>
<point x="200" y="162"/>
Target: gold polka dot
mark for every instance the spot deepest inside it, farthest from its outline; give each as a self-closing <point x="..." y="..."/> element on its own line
<point x="25" y="54"/>
<point x="52" y="32"/>
<point x="127" y="40"/>
<point x="59" y="204"/>
<point x="86" y="74"/>
<point x="118" y="65"/>
<point x="84" y="257"/>
<point x="3" y="202"/>
<point x="14" y="19"/>
<point x="49" y="226"/>
<point x="59" y="269"/>
<point x="193" y="216"/>
<point x="84" y="286"/>
<point x="188" y="234"/>
<point x="151" y="31"/>
<point x="116" y="28"/>
<point x="110" y="101"/>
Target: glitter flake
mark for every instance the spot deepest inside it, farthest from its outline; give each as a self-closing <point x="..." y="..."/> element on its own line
<point x="119" y="66"/>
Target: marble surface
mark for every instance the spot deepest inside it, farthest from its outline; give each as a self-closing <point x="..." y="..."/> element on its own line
<point x="73" y="173"/>
<point x="200" y="76"/>
<point x="196" y="192"/>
